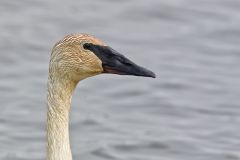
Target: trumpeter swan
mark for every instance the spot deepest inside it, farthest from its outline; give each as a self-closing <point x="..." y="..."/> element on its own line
<point x="75" y="58"/>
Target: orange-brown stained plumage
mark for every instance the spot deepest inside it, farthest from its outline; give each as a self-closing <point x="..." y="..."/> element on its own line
<point x="69" y="63"/>
<point x="71" y="58"/>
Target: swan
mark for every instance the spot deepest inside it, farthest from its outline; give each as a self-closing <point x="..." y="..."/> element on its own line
<point x="74" y="58"/>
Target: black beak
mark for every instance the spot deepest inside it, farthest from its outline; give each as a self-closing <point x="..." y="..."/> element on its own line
<point x="116" y="63"/>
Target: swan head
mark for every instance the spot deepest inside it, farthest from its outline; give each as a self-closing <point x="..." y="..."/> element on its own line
<point x="79" y="56"/>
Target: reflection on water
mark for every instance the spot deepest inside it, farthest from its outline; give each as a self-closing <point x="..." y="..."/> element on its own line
<point x="190" y="110"/>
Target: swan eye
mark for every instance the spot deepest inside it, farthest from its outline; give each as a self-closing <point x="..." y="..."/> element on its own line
<point x="87" y="46"/>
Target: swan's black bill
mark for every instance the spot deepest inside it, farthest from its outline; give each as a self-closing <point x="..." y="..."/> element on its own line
<point x="116" y="63"/>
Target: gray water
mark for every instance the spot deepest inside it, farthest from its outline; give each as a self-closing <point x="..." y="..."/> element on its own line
<point x="190" y="112"/>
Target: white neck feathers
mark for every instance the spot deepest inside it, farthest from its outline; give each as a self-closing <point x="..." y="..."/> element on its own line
<point x="59" y="100"/>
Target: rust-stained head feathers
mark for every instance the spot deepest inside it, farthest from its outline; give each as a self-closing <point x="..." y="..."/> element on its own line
<point x="70" y="59"/>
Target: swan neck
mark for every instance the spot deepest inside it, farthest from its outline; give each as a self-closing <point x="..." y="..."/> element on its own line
<point x="59" y="101"/>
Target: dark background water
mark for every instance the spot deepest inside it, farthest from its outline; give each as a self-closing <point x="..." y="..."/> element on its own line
<point x="191" y="111"/>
